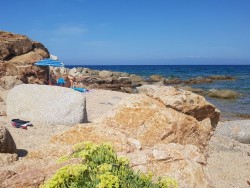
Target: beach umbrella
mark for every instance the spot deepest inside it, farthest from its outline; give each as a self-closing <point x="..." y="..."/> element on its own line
<point x="49" y="62"/>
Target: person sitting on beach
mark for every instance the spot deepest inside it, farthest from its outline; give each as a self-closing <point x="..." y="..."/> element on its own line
<point x="71" y="80"/>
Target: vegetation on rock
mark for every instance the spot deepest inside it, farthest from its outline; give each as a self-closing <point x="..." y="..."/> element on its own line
<point x="102" y="168"/>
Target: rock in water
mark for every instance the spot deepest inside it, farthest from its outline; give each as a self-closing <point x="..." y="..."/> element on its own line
<point x="7" y="144"/>
<point x="223" y="94"/>
<point x="46" y="104"/>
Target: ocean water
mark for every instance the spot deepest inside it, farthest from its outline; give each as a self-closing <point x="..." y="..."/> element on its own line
<point x="229" y="108"/>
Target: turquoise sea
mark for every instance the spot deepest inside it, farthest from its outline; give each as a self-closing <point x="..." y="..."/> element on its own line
<point x="230" y="108"/>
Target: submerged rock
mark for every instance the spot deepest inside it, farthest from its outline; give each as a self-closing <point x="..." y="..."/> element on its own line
<point x="46" y="104"/>
<point x="223" y="94"/>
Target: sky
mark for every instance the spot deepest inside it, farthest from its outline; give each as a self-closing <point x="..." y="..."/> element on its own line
<point x="135" y="31"/>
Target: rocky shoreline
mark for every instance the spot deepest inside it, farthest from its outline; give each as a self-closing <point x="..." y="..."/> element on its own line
<point x="170" y="131"/>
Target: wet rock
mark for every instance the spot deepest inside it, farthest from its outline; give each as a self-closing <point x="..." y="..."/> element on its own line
<point x="7" y="144"/>
<point x="221" y="77"/>
<point x="223" y="94"/>
<point x="172" y="81"/>
<point x="198" y="80"/>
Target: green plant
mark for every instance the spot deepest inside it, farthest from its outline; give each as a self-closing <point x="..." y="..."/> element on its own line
<point x="101" y="168"/>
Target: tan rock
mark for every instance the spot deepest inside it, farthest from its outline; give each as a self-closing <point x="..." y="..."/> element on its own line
<point x="156" y="78"/>
<point x="96" y="133"/>
<point x="184" y="163"/>
<point x="8" y="82"/>
<point x="18" y="54"/>
<point x="105" y="74"/>
<point x="150" y="122"/>
<point x="186" y="102"/>
<point x="13" y="45"/>
<point x="135" y="78"/>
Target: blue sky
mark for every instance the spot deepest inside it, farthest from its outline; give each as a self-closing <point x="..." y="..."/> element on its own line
<point x="123" y="31"/>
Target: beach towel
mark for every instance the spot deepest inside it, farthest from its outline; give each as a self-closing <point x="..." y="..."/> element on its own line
<point x="80" y="89"/>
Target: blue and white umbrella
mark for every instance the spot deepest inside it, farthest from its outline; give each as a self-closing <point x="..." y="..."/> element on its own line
<point x="49" y="62"/>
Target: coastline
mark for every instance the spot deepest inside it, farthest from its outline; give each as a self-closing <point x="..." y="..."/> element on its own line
<point x="200" y="82"/>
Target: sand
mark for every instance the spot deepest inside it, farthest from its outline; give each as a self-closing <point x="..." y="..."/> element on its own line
<point x="98" y="102"/>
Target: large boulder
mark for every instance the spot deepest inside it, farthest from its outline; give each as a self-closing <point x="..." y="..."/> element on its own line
<point x="13" y="45"/>
<point x="151" y="122"/>
<point x="7" y="144"/>
<point x="46" y="104"/>
<point x="186" y="102"/>
<point x="184" y="163"/>
<point x="18" y="54"/>
<point x="223" y="94"/>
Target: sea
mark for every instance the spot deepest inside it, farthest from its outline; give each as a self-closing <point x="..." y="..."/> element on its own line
<point x="230" y="109"/>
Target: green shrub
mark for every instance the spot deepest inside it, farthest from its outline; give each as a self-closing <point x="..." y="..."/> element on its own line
<point x="101" y="168"/>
